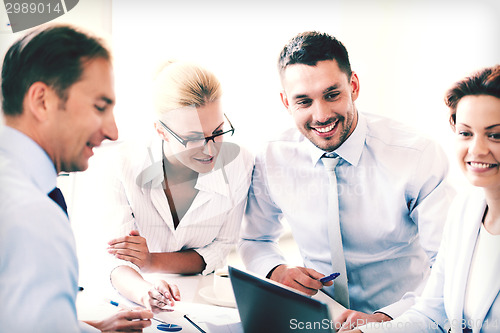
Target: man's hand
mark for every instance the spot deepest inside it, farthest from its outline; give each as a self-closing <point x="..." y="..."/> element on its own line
<point x="161" y="295"/>
<point x="350" y="319"/>
<point x="132" y="248"/>
<point x="133" y="320"/>
<point x="302" y="279"/>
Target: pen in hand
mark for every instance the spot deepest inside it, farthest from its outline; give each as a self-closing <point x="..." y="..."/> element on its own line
<point x="328" y="278"/>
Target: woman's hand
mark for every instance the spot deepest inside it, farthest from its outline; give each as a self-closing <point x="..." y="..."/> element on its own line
<point x="161" y="296"/>
<point x="132" y="248"/>
<point x="350" y="319"/>
<point x="133" y="320"/>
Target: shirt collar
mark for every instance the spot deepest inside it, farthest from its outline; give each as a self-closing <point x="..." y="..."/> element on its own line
<point x="217" y="180"/>
<point x="350" y="150"/>
<point x="30" y="158"/>
<point x="214" y="181"/>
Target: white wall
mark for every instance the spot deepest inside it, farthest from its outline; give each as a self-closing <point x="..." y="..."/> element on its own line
<point x="406" y="53"/>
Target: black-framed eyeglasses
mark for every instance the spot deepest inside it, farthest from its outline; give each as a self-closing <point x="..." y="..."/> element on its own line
<point x="202" y="141"/>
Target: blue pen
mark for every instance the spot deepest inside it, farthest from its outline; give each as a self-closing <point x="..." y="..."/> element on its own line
<point x="330" y="277"/>
<point x="164" y="326"/>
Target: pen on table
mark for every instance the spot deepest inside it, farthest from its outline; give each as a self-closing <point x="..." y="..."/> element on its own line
<point x="128" y="308"/>
<point x="328" y="278"/>
<point x="194" y="324"/>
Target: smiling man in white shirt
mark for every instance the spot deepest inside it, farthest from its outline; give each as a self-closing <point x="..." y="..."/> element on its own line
<point x="392" y="194"/>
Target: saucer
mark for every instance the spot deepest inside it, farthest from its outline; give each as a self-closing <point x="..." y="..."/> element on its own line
<point x="207" y="293"/>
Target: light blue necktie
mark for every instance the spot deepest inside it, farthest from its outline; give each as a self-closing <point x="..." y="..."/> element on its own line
<point x="341" y="291"/>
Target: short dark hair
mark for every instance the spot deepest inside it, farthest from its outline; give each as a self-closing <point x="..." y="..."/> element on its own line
<point x="310" y="47"/>
<point x="483" y="82"/>
<point x="53" y="55"/>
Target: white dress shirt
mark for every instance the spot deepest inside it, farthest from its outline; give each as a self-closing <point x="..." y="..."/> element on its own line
<point x="483" y="271"/>
<point x="212" y="223"/>
<point x="392" y="206"/>
<point x="442" y="303"/>
<point x="38" y="264"/>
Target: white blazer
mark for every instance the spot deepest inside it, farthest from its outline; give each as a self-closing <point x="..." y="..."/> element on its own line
<point x="212" y="223"/>
<point x="441" y="305"/>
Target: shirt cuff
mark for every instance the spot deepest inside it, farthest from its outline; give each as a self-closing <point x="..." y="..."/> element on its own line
<point x="266" y="265"/>
<point x="213" y="257"/>
<point x="260" y="257"/>
<point x="398" y="308"/>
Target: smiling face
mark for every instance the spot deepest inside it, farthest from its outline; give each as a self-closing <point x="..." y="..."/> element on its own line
<point x="321" y="101"/>
<point x="478" y="139"/>
<point x="85" y="119"/>
<point x="193" y="123"/>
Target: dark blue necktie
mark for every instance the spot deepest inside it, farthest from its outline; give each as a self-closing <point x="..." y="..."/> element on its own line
<point x="58" y="197"/>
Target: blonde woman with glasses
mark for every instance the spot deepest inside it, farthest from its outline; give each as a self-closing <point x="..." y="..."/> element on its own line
<point x="179" y="200"/>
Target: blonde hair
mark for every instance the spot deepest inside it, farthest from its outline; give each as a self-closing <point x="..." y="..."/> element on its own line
<point x="180" y="84"/>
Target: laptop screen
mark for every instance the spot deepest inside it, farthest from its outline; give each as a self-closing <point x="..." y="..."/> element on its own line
<point x="266" y="306"/>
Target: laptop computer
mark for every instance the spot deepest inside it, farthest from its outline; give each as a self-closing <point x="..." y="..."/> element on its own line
<point x="266" y="306"/>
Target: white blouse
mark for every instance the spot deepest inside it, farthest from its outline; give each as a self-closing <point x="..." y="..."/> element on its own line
<point x="212" y="223"/>
<point x="483" y="274"/>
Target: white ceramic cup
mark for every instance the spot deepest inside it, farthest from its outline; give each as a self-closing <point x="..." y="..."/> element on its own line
<point x="222" y="285"/>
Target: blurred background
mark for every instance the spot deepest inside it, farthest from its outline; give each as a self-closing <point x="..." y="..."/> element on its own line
<point x="406" y="54"/>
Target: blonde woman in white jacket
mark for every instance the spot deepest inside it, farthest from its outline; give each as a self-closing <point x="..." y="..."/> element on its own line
<point x="179" y="199"/>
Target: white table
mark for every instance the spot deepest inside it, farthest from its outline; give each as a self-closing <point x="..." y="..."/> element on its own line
<point x="92" y="305"/>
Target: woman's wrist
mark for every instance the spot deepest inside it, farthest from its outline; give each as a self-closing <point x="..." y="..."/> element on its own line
<point x="144" y="294"/>
<point x="144" y="300"/>
<point x="156" y="264"/>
